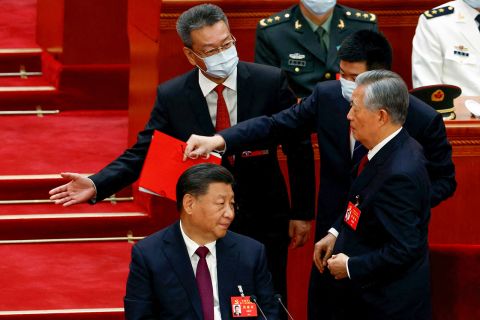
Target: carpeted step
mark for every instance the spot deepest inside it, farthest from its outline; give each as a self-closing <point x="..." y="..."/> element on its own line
<point x="74" y="141"/>
<point x="49" y="221"/>
<point x="19" y="93"/>
<point x="77" y="280"/>
<point x="15" y="60"/>
<point x="36" y="187"/>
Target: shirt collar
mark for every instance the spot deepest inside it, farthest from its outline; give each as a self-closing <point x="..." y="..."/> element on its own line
<point x="192" y="246"/>
<point x="207" y="85"/>
<point x="325" y="25"/>
<point x="374" y="150"/>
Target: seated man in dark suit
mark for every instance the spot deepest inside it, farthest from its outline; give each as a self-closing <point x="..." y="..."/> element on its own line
<point x="221" y="91"/>
<point x="325" y="112"/>
<point x="380" y="258"/>
<point x="191" y="269"/>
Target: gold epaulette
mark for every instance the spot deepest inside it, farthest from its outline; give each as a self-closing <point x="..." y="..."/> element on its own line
<point x="275" y="19"/>
<point x="430" y="14"/>
<point x="358" y="15"/>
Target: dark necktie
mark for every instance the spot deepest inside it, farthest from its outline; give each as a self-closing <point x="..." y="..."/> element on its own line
<point x="362" y="164"/>
<point x="359" y="151"/>
<point x="204" y="283"/>
<point x="323" y="51"/>
<point x="223" y="118"/>
<point x="477" y="18"/>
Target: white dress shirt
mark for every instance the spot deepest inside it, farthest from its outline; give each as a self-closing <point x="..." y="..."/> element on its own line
<point x="229" y="94"/>
<point x="211" y="258"/>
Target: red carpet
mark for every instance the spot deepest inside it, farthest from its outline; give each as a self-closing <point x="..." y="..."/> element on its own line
<point x="78" y="141"/>
<point x="17" y="23"/>
<point x="63" y="276"/>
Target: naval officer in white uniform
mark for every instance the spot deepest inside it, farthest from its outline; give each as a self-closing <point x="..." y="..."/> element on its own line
<point x="446" y="47"/>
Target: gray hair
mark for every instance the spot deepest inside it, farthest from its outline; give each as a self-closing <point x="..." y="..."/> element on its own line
<point x="385" y="90"/>
<point x="196" y="18"/>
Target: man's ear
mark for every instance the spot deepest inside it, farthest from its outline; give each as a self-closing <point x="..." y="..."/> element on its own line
<point x="383" y="116"/>
<point x="190" y="56"/>
<point x="188" y="203"/>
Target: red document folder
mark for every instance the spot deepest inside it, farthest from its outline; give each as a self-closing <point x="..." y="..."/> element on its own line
<point x="164" y="165"/>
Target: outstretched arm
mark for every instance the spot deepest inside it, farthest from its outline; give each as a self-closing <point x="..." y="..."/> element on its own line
<point x="78" y="190"/>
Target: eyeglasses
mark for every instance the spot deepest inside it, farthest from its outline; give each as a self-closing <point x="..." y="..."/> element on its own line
<point x="214" y="51"/>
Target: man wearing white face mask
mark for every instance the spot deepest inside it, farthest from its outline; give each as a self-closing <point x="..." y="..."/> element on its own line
<point x="303" y="40"/>
<point x="446" y="47"/>
<point x="325" y="112"/>
<point x="219" y="92"/>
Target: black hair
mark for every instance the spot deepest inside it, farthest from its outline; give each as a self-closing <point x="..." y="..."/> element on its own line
<point x="196" y="18"/>
<point x="196" y="180"/>
<point x="369" y="46"/>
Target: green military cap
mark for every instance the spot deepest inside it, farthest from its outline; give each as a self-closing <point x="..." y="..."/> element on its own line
<point x="440" y="97"/>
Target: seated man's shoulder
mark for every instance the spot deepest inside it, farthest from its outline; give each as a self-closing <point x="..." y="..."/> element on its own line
<point x="179" y="81"/>
<point x="352" y="14"/>
<point x="444" y="10"/>
<point x="246" y="243"/>
<point x="277" y="20"/>
<point x="152" y="241"/>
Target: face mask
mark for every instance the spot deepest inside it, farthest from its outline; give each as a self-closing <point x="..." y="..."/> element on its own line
<point x="319" y="7"/>
<point x="473" y="3"/>
<point x="222" y="64"/>
<point x="347" y="88"/>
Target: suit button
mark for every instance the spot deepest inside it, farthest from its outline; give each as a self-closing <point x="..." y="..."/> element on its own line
<point x="297" y="69"/>
<point x="328" y="75"/>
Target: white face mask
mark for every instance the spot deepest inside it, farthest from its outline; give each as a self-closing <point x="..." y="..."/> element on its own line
<point x="473" y="3"/>
<point x="347" y="88"/>
<point x="222" y="64"/>
<point x="319" y="7"/>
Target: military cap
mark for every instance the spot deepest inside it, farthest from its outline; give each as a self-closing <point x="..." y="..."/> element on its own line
<point x="440" y="97"/>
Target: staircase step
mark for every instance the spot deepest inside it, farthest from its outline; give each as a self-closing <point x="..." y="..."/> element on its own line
<point x="16" y="59"/>
<point x="71" y="141"/>
<point x="76" y="280"/>
<point x="50" y="221"/>
<point x="23" y="93"/>
<point x="36" y="187"/>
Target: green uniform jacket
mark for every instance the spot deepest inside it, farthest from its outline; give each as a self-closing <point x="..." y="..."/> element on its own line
<point x="285" y="40"/>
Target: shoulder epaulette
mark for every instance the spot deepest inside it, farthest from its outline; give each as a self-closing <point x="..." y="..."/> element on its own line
<point x="275" y="19"/>
<point x="438" y="12"/>
<point x="354" y="14"/>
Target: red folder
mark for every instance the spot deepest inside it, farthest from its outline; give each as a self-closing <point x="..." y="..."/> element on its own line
<point x="164" y="165"/>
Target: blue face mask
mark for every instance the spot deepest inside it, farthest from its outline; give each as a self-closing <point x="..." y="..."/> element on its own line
<point x="222" y="64"/>
<point x="319" y="7"/>
<point x="347" y="88"/>
<point x="473" y="3"/>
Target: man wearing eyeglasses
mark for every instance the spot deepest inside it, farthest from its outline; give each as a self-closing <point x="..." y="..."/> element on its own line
<point x="218" y="93"/>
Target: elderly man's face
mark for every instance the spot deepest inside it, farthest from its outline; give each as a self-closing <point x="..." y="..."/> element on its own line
<point x="212" y="213"/>
<point x="363" y="122"/>
<point x="207" y="39"/>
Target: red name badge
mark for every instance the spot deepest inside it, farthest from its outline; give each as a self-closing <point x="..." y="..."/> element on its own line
<point x="352" y="215"/>
<point x="242" y="307"/>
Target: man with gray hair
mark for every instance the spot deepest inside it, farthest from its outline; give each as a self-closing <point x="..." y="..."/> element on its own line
<point x="218" y="93"/>
<point x="380" y="245"/>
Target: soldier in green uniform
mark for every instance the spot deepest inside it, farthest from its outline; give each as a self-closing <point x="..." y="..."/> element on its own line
<point x="303" y="40"/>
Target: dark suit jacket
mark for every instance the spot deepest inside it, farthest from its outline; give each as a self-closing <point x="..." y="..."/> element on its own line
<point x="260" y="191"/>
<point x="161" y="283"/>
<point x="325" y="112"/>
<point x="388" y="251"/>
